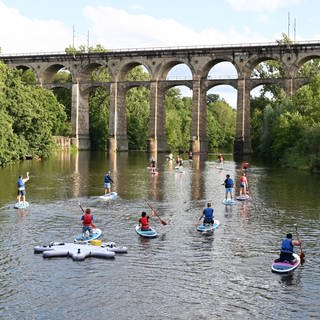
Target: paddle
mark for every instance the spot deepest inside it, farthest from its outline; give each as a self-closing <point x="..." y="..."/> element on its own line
<point x="161" y="220"/>
<point x="302" y="255"/>
<point x="200" y="218"/>
<point x="93" y="226"/>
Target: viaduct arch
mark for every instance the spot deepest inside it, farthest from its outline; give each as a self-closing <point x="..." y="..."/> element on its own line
<point x="158" y="62"/>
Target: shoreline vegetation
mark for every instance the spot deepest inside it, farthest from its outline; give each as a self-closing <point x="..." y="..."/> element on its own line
<point x="285" y="130"/>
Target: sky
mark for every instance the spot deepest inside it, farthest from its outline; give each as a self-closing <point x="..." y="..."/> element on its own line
<point x="31" y="26"/>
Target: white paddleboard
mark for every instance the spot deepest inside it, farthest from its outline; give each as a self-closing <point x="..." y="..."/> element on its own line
<point x="109" y="196"/>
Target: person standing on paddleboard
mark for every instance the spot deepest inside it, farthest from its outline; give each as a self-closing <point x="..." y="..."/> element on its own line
<point x="243" y="185"/>
<point x="287" y="245"/>
<point x="107" y="182"/>
<point x="207" y="215"/>
<point x="228" y="184"/>
<point x="22" y="188"/>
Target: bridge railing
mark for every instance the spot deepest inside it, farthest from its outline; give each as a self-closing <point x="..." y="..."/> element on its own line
<point x="214" y="46"/>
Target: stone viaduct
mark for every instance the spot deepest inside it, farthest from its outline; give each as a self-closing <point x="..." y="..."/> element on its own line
<point x="158" y="62"/>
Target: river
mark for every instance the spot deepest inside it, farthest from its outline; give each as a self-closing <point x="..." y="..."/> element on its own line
<point x="182" y="274"/>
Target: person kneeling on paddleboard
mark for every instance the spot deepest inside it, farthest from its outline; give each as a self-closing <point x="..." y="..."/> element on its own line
<point x="207" y="215"/>
<point x="144" y="222"/>
<point x="87" y="222"/>
<point x="287" y="245"/>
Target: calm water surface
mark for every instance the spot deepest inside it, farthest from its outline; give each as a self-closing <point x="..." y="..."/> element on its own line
<point x="179" y="275"/>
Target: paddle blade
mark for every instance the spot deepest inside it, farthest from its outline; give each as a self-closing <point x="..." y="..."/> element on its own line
<point x="163" y="222"/>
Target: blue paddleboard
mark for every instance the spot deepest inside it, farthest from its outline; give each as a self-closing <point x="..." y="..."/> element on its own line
<point x="96" y="233"/>
<point x="285" y="267"/>
<point x="229" y="202"/>
<point x="147" y="233"/>
<point x="207" y="227"/>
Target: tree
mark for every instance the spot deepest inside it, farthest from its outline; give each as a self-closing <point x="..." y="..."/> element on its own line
<point x="30" y="115"/>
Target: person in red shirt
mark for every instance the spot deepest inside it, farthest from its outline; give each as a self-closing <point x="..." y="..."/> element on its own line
<point x="144" y="222"/>
<point x="87" y="222"/>
<point x="243" y="185"/>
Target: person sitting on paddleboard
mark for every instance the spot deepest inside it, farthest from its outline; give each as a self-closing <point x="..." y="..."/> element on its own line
<point x="22" y="188"/>
<point x="207" y="215"/>
<point x="144" y="222"/>
<point x="287" y="245"/>
<point x="243" y="184"/>
<point x="228" y="184"/>
<point x="245" y="166"/>
<point x="107" y="182"/>
<point x="87" y="222"/>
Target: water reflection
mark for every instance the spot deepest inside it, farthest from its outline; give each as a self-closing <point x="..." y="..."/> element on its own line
<point x="181" y="270"/>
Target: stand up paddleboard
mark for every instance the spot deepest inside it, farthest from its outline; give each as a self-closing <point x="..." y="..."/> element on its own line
<point x="229" y="202"/>
<point x="109" y="196"/>
<point x="96" y="234"/>
<point x="284" y="266"/>
<point x="243" y="197"/>
<point x="146" y="233"/>
<point x="207" y="227"/>
<point x="21" y="205"/>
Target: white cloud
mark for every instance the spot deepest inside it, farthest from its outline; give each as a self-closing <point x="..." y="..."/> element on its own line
<point x="20" y="34"/>
<point x="261" y="5"/>
<point x="114" y="28"/>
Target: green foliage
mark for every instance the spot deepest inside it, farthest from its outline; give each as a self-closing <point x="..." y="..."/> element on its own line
<point x="28" y="76"/>
<point x="99" y="102"/>
<point x="286" y="131"/>
<point x="138" y="114"/>
<point x="30" y="115"/>
<point x="84" y="49"/>
<point x="221" y="121"/>
<point x="178" y="120"/>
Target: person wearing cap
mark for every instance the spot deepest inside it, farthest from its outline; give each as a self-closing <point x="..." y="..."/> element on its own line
<point x="287" y="245"/>
<point x="87" y="222"/>
<point x="207" y="215"/>
<point x="107" y="182"/>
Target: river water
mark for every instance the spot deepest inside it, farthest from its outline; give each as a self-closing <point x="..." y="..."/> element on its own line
<point x="182" y="274"/>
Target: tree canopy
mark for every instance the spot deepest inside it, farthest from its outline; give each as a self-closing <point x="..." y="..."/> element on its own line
<point x="30" y="116"/>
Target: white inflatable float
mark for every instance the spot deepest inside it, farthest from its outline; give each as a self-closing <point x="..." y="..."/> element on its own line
<point x="76" y="251"/>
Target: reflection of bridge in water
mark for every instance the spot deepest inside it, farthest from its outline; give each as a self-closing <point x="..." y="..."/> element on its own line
<point x="158" y="62"/>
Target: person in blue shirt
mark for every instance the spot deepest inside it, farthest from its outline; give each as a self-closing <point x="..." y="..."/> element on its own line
<point x="287" y="245"/>
<point x="22" y="188"/>
<point x="207" y="215"/>
<point x="228" y="184"/>
<point x="107" y="182"/>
